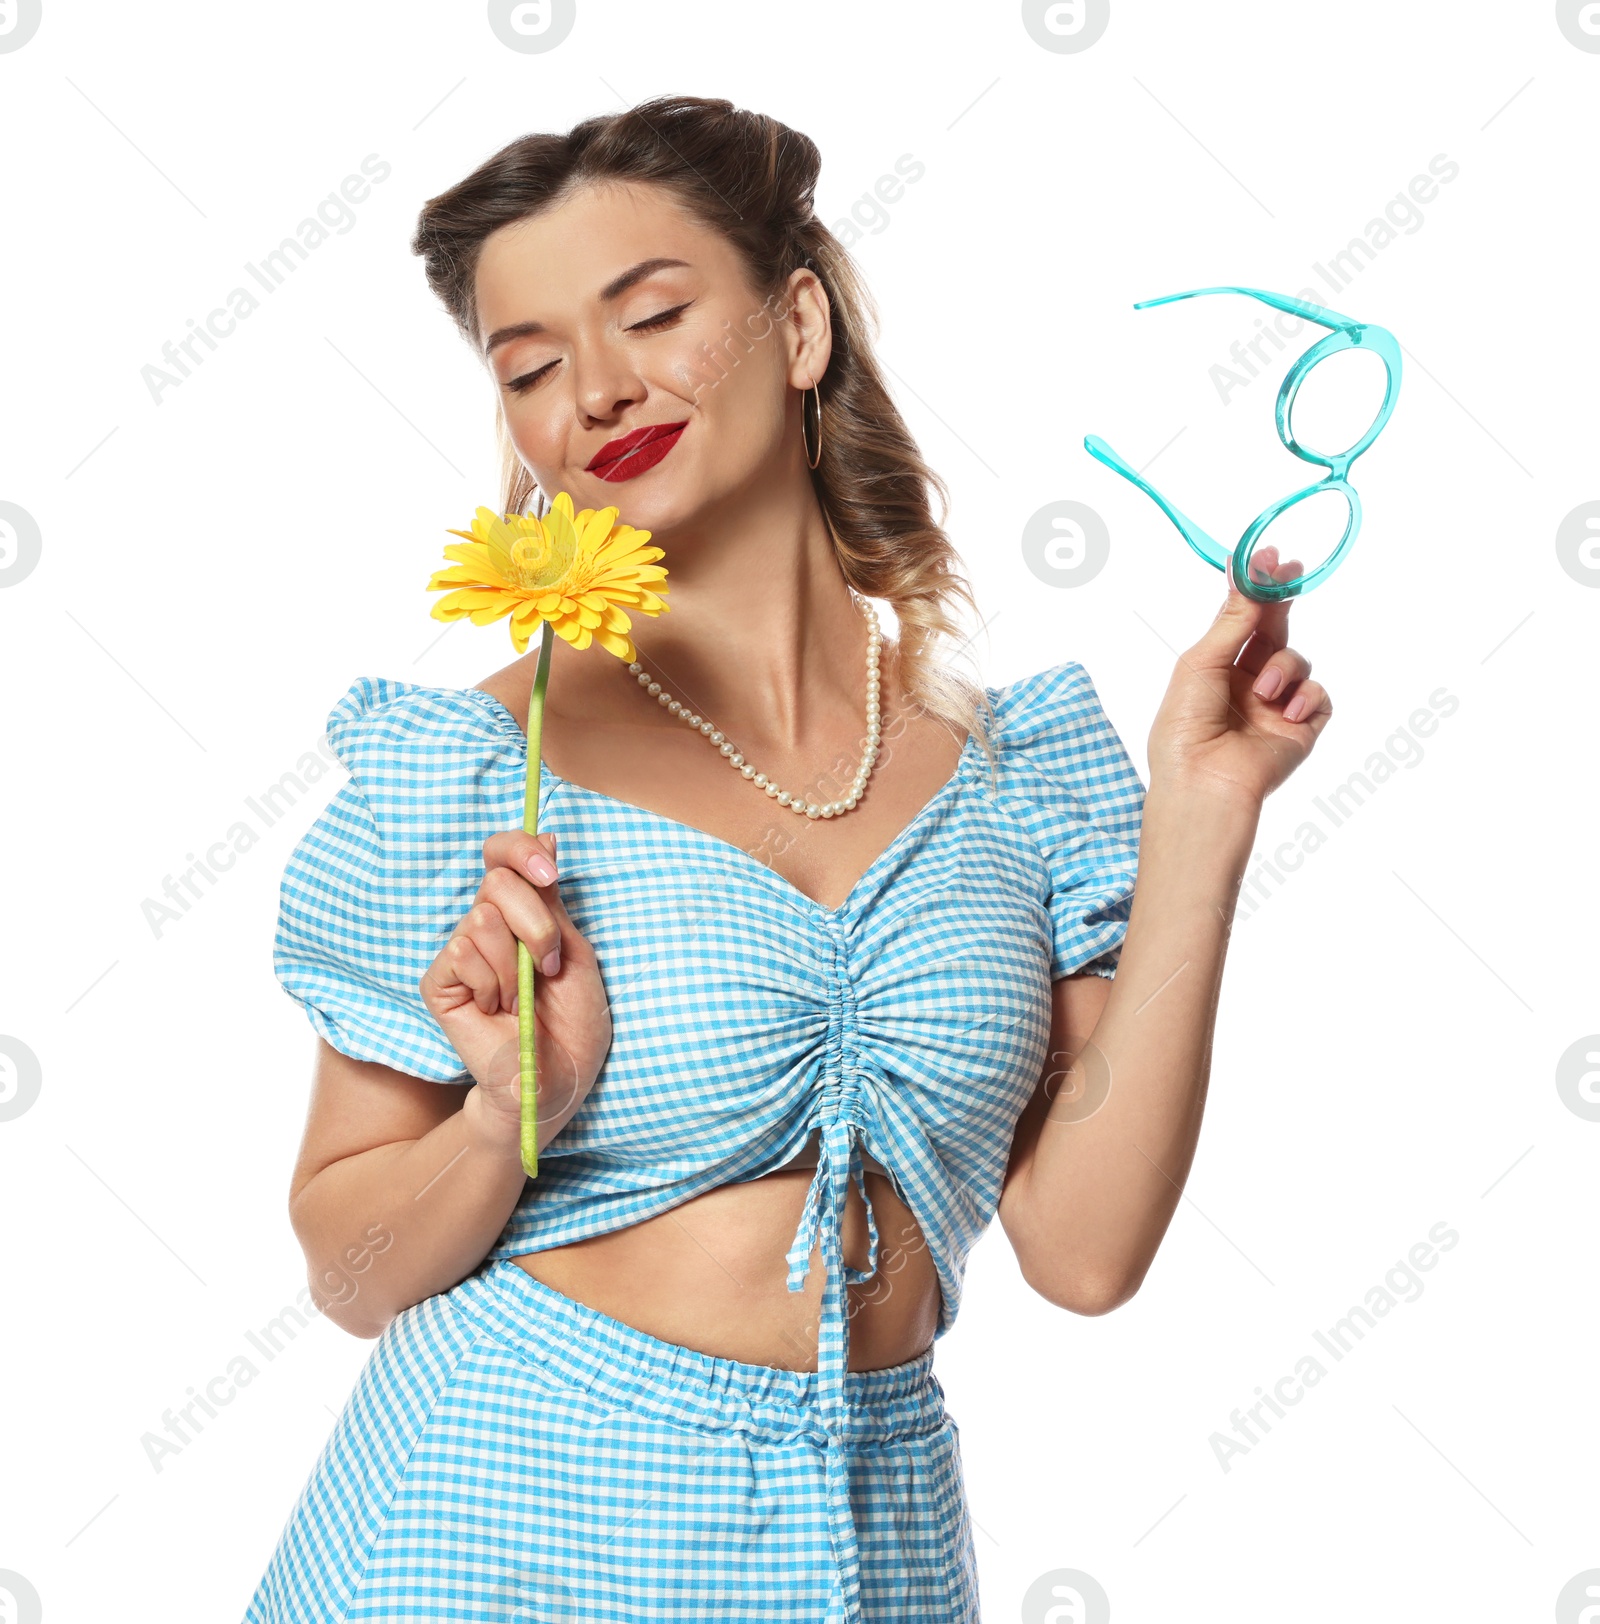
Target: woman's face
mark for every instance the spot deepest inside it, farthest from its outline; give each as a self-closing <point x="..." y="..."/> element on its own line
<point x="591" y="334"/>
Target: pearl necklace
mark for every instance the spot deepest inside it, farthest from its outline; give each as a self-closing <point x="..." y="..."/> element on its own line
<point x="795" y="803"/>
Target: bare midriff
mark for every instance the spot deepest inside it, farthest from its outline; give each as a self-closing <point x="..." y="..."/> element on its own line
<point x="711" y="1274"/>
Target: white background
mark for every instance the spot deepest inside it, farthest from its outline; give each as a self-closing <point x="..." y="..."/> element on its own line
<point x="218" y="567"/>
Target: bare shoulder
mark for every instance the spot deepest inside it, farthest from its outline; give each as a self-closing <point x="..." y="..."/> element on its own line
<point x="589" y="708"/>
<point x="573" y="695"/>
<point x="504" y="685"/>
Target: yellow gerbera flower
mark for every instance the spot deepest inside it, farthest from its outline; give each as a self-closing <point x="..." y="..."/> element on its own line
<point x="580" y="571"/>
<point x="568" y="573"/>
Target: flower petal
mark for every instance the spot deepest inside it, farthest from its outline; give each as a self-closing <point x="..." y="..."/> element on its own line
<point x="474" y="601"/>
<point x="614" y="643"/>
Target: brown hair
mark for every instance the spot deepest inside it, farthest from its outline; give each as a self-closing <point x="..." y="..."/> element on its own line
<point x="750" y="178"/>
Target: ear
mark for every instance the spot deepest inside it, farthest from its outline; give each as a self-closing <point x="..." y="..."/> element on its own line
<point x="808" y="328"/>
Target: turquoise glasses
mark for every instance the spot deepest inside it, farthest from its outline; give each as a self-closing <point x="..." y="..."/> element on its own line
<point x="1345" y="334"/>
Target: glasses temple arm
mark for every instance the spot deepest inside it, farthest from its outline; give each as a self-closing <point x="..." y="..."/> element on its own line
<point x="1320" y="314"/>
<point x="1209" y="549"/>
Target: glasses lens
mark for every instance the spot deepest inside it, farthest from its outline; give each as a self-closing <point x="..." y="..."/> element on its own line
<point x="1338" y="401"/>
<point x="1305" y="534"/>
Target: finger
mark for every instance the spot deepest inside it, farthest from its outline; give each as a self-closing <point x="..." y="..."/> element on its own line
<point x="513" y="850"/>
<point x="1306" y="701"/>
<point x="460" y="963"/>
<point x="531" y="858"/>
<point x="1272" y="631"/>
<point x="1265" y="565"/>
<point x="488" y="931"/>
<point x="574" y="949"/>
<point x="1277" y="678"/>
<point x="1219" y="647"/>
<point x="525" y="916"/>
<point x="1256" y="654"/>
<point x="1261" y="647"/>
<point x="530" y="855"/>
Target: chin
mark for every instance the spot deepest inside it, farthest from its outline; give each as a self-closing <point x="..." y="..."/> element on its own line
<point x="648" y="503"/>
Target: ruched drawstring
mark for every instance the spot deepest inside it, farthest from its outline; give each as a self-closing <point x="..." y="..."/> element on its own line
<point x="840" y="1147"/>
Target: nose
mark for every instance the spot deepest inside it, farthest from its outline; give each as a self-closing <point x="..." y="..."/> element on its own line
<point x="605" y="385"/>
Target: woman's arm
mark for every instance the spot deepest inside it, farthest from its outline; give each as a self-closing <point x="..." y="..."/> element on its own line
<point x="1104" y="1147"/>
<point x="401" y="1187"/>
<point x="403" y="1184"/>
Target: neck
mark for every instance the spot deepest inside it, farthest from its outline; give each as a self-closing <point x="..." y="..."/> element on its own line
<point x="763" y="635"/>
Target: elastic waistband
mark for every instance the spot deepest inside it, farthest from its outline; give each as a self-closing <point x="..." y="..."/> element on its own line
<point x="629" y="1368"/>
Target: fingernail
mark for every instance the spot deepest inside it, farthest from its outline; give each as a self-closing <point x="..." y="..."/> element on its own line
<point x="541" y="869"/>
<point x="1268" y="683"/>
<point x="552" y="961"/>
<point x="1295" y="709"/>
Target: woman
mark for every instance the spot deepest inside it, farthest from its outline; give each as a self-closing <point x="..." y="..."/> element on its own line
<point x="850" y="1033"/>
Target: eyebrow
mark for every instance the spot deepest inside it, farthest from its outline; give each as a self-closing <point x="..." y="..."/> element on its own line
<point x="614" y="289"/>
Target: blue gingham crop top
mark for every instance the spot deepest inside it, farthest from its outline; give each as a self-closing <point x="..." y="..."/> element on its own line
<point x="914" y="1018"/>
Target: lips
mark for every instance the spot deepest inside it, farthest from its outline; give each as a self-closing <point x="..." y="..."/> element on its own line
<point x="635" y="452"/>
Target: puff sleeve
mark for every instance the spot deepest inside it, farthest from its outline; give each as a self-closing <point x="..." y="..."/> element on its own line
<point x="378" y="884"/>
<point x="1075" y="789"/>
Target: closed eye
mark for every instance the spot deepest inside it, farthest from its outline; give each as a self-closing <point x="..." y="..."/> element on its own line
<point x="653" y="324"/>
<point x="661" y="320"/>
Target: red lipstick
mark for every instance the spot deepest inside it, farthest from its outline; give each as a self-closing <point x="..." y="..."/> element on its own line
<point x="634" y="453"/>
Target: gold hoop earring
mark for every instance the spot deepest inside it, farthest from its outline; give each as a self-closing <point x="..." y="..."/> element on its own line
<point x="810" y="461"/>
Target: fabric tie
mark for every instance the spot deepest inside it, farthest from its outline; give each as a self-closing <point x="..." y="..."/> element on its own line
<point x="840" y="1148"/>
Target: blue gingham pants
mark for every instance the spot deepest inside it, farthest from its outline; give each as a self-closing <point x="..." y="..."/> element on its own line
<point x="512" y="1456"/>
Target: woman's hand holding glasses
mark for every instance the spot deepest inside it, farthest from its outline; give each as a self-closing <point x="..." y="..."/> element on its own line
<point x="1214" y="731"/>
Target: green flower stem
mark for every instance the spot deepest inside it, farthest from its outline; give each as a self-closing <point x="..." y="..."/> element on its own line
<point x="527" y="1019"/>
